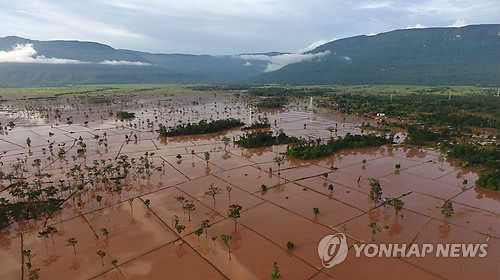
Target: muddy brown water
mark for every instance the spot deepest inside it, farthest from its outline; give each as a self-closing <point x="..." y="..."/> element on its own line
<point x="145" y="244"/>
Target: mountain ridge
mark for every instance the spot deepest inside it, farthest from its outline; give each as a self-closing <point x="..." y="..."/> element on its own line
<point x="430" y="56"/>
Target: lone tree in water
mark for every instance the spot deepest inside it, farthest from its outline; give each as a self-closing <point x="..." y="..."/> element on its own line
<point x="72" y="242"/>
<point x="189" y="207"/>
<point x="276" y="272"/>
<point x="279" y="161"/>
<point x="178" y="227"/>
<point x="205" y="224"/>
<point x="101" y="254"/>
<point x="226" y="142"/>
<point x="207" y="157"/>
<point x="375" y="229"/>
<point x="227" y="241"/>
<point x="375" y="190"/>
<point x="447" y="209"/>
<point x="234" y="213"/>
<point x="316" y="211"/>
<point x="213" y="191"/>
<point x="198" y="232"/>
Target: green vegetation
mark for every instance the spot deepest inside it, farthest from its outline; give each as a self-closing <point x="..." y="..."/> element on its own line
<point x="272" y="102"/>
<point x="202" y="127"/>
<point x="275" y="275"/>
<point x="264" y="138"/>
<point x="261" y="123"/>
<point x="447" y="209"/>
<point x="368" y="126"/>
<point x="487" y="156"/>
<point x="316" y="149"/>
<point x="122" y="115"/>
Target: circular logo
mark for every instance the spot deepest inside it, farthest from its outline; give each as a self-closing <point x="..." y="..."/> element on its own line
<point x="332" y="249"/>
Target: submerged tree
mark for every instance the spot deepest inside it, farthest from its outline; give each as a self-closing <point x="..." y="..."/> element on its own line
<point x="375" y="190"/>
<point x="178" y="227"/>
<point x="234" y="213"/>
<point x="72" y="242"/>
<point x="226" y="142"/>
<point x="213" y="191"/>
<point x="206" y="156"/>
<point x="374" y="227"/>
<point x="276" y="271"/>
<point x="189" y="207"/>
<point x="101" y="254"/>
<point x="205" y="224"/>
<point x="105" y="232"/>
<point x="198" y="232"/>
<point x="447" y="208"/>
<point x="316" y="211"/>
<point x="279" y="161"/>
<point x="227" y="241"/>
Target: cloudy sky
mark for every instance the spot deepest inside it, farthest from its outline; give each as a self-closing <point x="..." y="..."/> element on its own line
<point x="230" y="26"/>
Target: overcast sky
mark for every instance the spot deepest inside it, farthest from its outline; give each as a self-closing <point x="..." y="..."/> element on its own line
<point x="229" y="26"/>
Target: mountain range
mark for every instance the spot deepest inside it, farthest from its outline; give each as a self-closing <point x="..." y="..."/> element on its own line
<point x="467" y="55"/>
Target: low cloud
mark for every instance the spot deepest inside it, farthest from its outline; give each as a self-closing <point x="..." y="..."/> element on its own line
<point x="124" y="62"/>
<point x="458" y="23"/>
<point x="346" y="58"/>
<point x="25" y="53"/>
<point x="279" y="61"/>
<point x="416" y="26"/>
<point x="314" y="45"/>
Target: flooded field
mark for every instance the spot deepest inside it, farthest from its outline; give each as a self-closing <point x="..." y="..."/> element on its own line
<point x="137" y="207"/>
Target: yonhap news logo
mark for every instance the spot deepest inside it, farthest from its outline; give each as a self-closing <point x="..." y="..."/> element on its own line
<point x="333" y="250"/>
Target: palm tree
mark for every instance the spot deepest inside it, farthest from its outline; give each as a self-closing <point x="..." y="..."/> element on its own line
<point x="45" y="235"/>
<point x="227" y="241"/>
<point x="114" y="263"/>
<point x="72" y="242"/>
<point x="198" y="232"/>
<point x="205" y="224"/>
<point x="51" y="230"/>
<point x="101" y="254"/>
<point x="189" y="206"/>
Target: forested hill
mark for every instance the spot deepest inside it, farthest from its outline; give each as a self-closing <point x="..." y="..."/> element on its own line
<point x="468" y="55"/>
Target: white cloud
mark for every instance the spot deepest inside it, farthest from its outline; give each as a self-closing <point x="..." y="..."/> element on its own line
<point x="375" y="5"/>
<point x="458" y="23"/>
<point x="279" y="61"/>
<point x="124" y="62"/>
<point x="25" y="53"/>
<point x="247" y="63"/>
<point x="418" y="25"/>
<point x="346" y="58"/>
<point x="314" y="45"/>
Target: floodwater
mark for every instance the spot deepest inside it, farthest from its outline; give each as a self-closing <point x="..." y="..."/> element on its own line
<point x="144" y="242"/>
